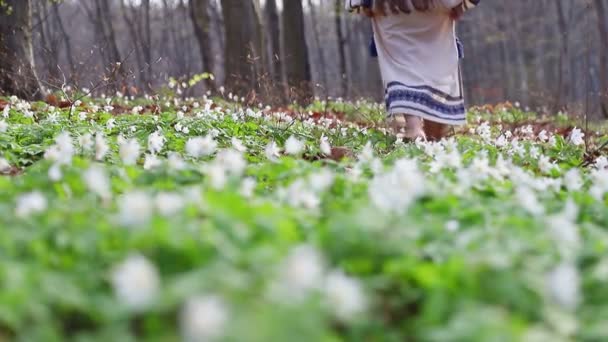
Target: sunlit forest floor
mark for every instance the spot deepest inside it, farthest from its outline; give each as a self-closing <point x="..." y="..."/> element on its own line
<point x="213" y="219"/>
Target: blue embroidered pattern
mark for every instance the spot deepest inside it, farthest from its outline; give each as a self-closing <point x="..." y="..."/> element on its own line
<point x="425" y="100"/>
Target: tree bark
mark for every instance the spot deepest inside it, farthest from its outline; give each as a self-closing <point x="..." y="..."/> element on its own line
<point x="66" y="41"/>
<point x="562" y="83"/>
<point x="341" y="49"/>
<point x="243" y="46"/>
<point x="201" y="21"/>
<point x="273" y="34"/>
<point x="17" y="74"/>
<point x="296" y="51"/>
<point x="602" y="20"/>
<point x="315" y="26"/>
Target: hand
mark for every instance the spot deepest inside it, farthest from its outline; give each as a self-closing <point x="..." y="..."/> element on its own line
<point x="457" y="13"/>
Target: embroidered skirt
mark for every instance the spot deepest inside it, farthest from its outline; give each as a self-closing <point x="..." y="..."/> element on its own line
<point x="419" y="61"/>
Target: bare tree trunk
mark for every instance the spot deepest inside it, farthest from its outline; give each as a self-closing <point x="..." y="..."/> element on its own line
<point x="273" y="33"/>
<point x="243" y="47"/>
<point x="67" y="43"/>
<point x="562" y="83"/>
<point x="129" y="20"/>
<point x="602" y="20"/>
<point x="199" y="12"/>
<point x="341" y="50"/>
<point x="320" y="54"/>
<point x="48" y="45"/>
<point x="147" y="45"/>
<point x="17" y="74"/>
<point x="296" y="51"/>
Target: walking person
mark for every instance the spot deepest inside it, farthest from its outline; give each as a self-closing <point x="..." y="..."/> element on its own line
<point x="416" y="45"/>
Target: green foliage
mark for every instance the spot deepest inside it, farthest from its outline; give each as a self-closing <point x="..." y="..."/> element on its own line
<point x="467" y="260"/>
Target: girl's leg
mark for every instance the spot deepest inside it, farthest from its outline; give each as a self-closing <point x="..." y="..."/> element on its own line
<point x="407" y="126"/>
<point x="414" y="127"/>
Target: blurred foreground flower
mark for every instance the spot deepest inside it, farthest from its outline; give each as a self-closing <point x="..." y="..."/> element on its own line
<point x="30" y="203"/>
<point x="136" y="282"/>
<point x="345" y="296"/>
<point x="564" y="286"/>
<point x="203" y="319"/>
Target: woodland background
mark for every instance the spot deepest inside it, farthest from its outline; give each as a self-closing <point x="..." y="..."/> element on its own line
<point x="549" y="55"/>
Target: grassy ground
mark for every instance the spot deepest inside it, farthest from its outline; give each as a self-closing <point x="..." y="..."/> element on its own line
<point x="206" y="219"/>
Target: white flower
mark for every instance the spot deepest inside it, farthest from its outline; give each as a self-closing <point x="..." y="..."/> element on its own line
<point x="175" y="161"/>
<point x="545" y="165"/>
<point x="553" y="141"/>
<point x="577" y="137"/>
<point x="151" y="161"/>
<point x="169" y="203"/>
<point x="156" y="141"/>
<point x="4" y="165"/>
<point x="137" y="110"/>
<point x="272" y="151"/>
<point x="203" y="319"/>
<point x="601" y="163"/>
<point x="101" y="147"/>
<point x="55" y="173"/>
<point x="238" y="145"/>
<point x="528" y="200"/>
<point x="62" y="151"/>
<point x="573" y="180"/>
<point x="300" y="194"/>
<point x="344" y="295"/>
<point x="201" y="146"/>
<point x="97" y="181"/>
<point x="395" y="190"/>
<point x="293" y="146"/>
<point x="564" y="286"/>
<point x="232" y="161"/>
<point x="82" y="116"/>
<point x="452" y="226"/>
<point x="3" y="126"/>
<point x="136" y="282"/>
<point x="6" y="111"/>
<point x="178" y="127"/>
<point x="322" y="180"/>
<point x="30" y="203"/>
<point x="301" y="272"/>
<point x="543" y="136"/>
<point x="600" y="183"/>
<point x="367" y="154"/>
<point x="53" y="117"/>
<point x="217" y="176"/>
<point x="248" y="187"/>
<point x="86" y="142"/>
<point x="325" y="147"/>
<point x="501" y="141"/>
<point x="135" y="208"/>
<point x="111" y="124"/>
<point x="565" y="233"/>
<point x="129" y="151"/>
<point x="484" y="131"/>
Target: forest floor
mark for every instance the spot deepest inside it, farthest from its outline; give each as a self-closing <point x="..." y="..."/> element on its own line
<point x="208" y="219"/>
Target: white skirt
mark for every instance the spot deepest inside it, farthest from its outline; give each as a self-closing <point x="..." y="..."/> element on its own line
<point x="419" y="62"/>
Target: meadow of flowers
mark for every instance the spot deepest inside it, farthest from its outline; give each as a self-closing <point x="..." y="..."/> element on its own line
<point x="167" y="218"/>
